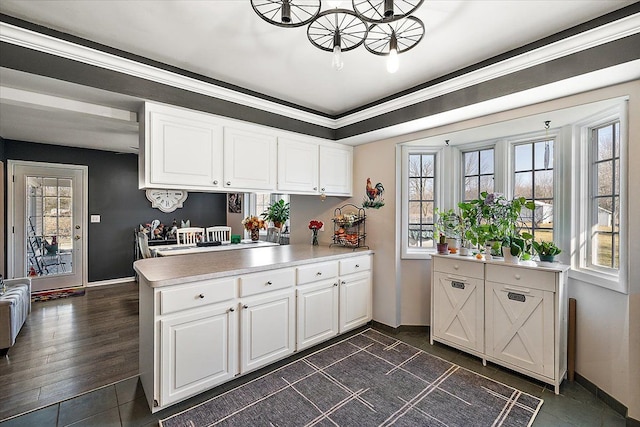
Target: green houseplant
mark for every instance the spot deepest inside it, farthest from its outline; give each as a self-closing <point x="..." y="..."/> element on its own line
<point x="546" y="250"/>
<point x="277" y="213"/>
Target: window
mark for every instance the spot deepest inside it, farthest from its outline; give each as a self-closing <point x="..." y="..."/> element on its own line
<point x="533" y="180"/>
<point x="421" y="169"/>
<point x="478" y="169"/>
<point x="261" y="201"/>
<point x="604" y="219"/>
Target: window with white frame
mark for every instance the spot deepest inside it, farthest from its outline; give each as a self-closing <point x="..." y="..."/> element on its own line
<point x="421" y="187"/>
<point x="604" y="196"/>
<point x="533" y="180"/>
<point x="478" y="167"/>
<point x="259" y="202"/>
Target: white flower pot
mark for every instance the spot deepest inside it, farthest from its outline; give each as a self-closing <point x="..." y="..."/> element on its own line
<point x="508" y="258"/>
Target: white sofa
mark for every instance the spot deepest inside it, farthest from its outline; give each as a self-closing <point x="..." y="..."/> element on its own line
<point x="15" y="306"/>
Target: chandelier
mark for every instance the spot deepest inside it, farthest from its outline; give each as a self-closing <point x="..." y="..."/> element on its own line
<point x="384" y="27"/>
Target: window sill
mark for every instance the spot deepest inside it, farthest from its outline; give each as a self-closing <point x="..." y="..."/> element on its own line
<point x="596" y="278"/>
<point x="417" y="254"/>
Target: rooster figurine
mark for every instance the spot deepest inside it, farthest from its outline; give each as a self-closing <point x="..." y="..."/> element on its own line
<point x="374" y="194"/>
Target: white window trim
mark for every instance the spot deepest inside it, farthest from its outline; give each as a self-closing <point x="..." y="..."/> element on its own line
<point x="440" y="153"/>
<point x="580" y="269"/>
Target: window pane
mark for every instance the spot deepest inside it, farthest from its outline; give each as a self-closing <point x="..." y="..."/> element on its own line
<point x="415" y="188"/>
<point x="486" y="161"/>
<point x="604" y="178"/>
<point x="415" y="212"/>
<point x="616" y="144"/>
<point x="544" y="184"/>
<point x="471" y="188"/>
<point x="471" y="163"/>
<point x="415" y="165"/>
<point x="605" y="214"/>
<point x="603" y="246"/>
<point x="615" y="219"/>
<point x="523" y="185"/>
<point x="616" y="251"/>
<point x="604" y="146"/>
<point x="428" y="193"/>
<point x="486" y="184"/>
<point x="616" y="176"/>
<point x="427" y="212"/>
<point x="523" y="157"/>
<point x="428" y="165"/>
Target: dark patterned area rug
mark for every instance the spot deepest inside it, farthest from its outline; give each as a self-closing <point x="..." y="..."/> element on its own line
<point x="369" y="379"/>
<point x="57" y="293"/>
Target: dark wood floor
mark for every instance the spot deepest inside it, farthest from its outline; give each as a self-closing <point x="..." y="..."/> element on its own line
<point x="70" y="346"/>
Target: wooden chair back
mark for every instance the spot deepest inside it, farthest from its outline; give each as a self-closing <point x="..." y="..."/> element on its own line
<point x="189" y="235"/>
<point x="218" y="233"/>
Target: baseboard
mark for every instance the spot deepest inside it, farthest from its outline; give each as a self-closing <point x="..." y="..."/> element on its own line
<point x="401" y="328"/>
<point x="111" y="282"/>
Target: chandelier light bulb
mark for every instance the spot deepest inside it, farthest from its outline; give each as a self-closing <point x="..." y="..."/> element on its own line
<point x="393" y="63"/>
<point x="337" y="63"/>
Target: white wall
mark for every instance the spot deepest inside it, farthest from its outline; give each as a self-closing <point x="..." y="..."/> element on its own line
<point x="608" y="347"/>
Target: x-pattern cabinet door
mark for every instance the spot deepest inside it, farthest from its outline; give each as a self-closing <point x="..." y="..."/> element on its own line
<point x="520" y="327"/>
<point x="459" y="310"/>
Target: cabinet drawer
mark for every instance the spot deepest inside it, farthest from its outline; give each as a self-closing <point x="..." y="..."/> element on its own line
<point x="355" y="265"/>
<point x="196" y="295"/>
<point x="526" y="277"/>
<point x="456" y="265"/>
<point x="314" y="272"/>
<point x="252" y="284"/>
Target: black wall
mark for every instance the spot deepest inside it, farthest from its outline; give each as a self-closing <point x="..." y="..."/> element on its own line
<point x="114" y="195"/>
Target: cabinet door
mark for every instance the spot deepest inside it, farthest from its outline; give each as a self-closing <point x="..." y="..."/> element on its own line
<point x="267" y="329"/>
<point x="249" y="160"/>
<point x="336" y="170"/>
<point x="185" y="150"/>
<point x="520" y="327"/>
<point x="198" y="351"/>
<point x="355" y="301"/>
<point x="297" y="166"/>
<point x="458" y="304"/>
<point x="317" y="313"/>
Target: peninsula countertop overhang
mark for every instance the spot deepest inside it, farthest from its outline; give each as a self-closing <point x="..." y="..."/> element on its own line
<point x="180" y="269"/>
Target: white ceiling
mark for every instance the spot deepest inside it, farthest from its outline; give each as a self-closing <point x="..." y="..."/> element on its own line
<point x="226" y="40"/>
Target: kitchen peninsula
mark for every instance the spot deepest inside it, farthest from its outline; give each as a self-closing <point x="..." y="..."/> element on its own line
<point x="208" y="317"/>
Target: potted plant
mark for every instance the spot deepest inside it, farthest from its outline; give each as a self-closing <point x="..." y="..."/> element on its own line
<point x="277" y="213"/>
<point x="438" y="235"/>
<point x="448" y="225"/>
<point x="512" y="248"/>
<point x="546" y="250"/>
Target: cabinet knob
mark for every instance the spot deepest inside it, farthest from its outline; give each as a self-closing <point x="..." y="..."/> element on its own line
<point x="245" y="306"/>
<point x="215" y="182"/>
<point x="232" y="309"/>
<point x="201" y="296"/>
<point x="323" y="189"/>
<point x="228" y="182"/>
<point x="357" y="265"/>
<point x="517" y="276"/>
<point x="315" y="188"/>
<point x="319" y="273"/>
<point x="269" y="283"/>
<point x="343" y="282"/>
<point x="335" y="284"/>
<point x="455" y="266"/>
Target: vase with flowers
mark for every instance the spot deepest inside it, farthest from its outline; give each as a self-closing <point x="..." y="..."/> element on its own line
<point x="253" y="224"/>
<point x="314" y="226"/>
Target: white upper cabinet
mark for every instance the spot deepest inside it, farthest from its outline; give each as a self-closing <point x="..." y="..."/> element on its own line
<point x="189" y="150"/>
<point x="250" y="160"/>
<point x="336" y="170"/>
<point x="180" y="149"/>
<point x="297" y="166"/>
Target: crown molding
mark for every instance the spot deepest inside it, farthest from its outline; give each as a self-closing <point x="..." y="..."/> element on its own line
<point x="44" y="43"/>
<point x="598" y="36"/>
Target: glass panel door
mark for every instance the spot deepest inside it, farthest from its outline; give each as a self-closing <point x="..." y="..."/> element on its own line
<point x="49" y="216"/>
<point x="47" y="207"/>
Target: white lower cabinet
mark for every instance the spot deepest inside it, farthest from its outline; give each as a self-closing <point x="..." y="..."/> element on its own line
<point x="196" y="335"/>
<point x="267" y="329"/>
<point x="317" y="316"/>
<point x="198" y="351"/>
<point x="458" y="310"/>
<point x="513" y="315"/>
<point x="355" y="301"/>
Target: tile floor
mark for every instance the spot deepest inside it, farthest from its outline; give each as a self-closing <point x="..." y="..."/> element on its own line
<point x="123" y="403"/>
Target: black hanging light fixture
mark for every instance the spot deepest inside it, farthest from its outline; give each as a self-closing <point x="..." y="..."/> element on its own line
<point x="384" y="26"/>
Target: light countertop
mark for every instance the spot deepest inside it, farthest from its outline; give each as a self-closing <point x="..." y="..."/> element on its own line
<point x="178" y="269"/>
<point x="535" y="265"/>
